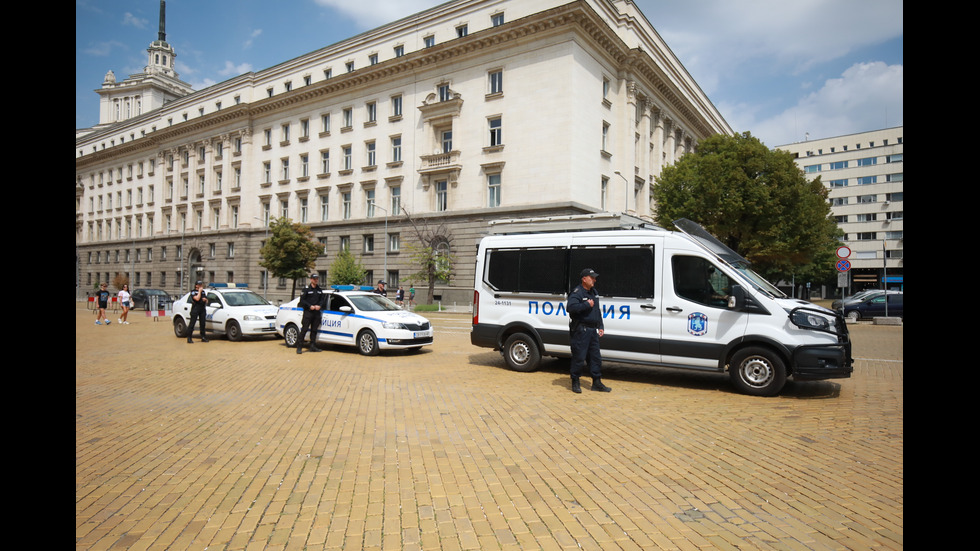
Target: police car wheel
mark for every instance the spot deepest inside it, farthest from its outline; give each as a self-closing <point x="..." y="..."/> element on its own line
<point x="234" y="331"/>
<point x="367" y="343"/>
<point x="180" y="327"/>
<point x="757" y="371"/>
<point x="291" y="335"/>
<point x="521" y="353"/>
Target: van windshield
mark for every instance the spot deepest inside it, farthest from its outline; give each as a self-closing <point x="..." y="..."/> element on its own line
<point x="711" y="243"/>
<point x="757" y="280"/>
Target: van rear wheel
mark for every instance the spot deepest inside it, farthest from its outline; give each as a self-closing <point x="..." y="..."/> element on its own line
<point x="757" y="371"/>
<point x="521" y="353"/>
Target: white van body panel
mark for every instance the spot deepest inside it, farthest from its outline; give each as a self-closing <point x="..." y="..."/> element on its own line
<point x="666" y="300"/>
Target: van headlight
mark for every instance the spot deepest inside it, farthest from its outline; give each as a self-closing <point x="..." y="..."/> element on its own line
<point x="810" y="320"/>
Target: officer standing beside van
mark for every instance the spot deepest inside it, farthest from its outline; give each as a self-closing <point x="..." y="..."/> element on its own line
<point x="585" y="327"/>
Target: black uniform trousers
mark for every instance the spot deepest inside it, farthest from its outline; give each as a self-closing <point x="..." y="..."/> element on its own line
<point x="311" y="323"/>
<point x="584" y="341"/>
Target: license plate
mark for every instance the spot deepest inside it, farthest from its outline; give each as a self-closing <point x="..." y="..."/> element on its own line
<point x="422" y="334"/>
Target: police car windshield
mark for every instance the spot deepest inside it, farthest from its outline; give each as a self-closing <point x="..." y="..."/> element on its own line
<point x="372" y="303"/>
<point x="244" y="298"/>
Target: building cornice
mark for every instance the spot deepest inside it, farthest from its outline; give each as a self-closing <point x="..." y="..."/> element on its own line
<point x="578" y="16"/>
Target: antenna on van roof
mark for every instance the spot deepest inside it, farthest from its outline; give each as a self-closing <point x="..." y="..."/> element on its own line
<point x="571" y="223"/>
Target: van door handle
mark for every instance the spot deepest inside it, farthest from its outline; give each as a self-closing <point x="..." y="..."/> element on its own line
<point x="648" y="307"/>
<point x="674" y="309"/>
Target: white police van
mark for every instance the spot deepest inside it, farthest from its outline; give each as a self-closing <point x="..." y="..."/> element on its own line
<point x="674" y="299"/>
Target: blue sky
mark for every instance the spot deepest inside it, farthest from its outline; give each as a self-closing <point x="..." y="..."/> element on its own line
<point x="782" y="70"/>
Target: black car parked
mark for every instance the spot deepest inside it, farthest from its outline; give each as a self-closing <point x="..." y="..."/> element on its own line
<point x="142" y="298"/>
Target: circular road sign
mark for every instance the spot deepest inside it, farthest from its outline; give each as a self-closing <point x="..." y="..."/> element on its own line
<point x="843" y="252"/>
<point x="843" y="265"/>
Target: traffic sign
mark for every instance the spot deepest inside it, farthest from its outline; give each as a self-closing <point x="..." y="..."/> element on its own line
<point x="843" y="252"/>
<point x="843" y="265"/>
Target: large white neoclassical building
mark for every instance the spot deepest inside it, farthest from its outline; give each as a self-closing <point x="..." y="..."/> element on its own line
<point x="471" y="111"/>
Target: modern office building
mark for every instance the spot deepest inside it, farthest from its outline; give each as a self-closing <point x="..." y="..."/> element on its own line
<point x="471" y="111"/>
<point x="865" y="175"/>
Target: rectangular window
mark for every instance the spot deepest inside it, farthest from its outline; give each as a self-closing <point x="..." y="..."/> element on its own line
<point x="493" y="190"/>
<point x="369" y="202"/>
<point x="348" y="117"/>
<point x="348" y="158"/>
<point x="371" y="156"/>
<point x="324" y="208"/>
<point x="496" y="81"/>
<point x="496" y="132"/>
<point x="325" y="162"/>
<point x="396" y="199"/>
<point x="372" y="112"/>
<point x="396" y="106"/>
<point x="629" y="269"/>
<point x="399" y="51"/>
<point x="325" y="123"/>
<point x="394" y="242"/>
<point x="396" y="149"/>
<point x="527" y="270"/>
<point x="442" y="196"/>
<point x="346" y="205"/>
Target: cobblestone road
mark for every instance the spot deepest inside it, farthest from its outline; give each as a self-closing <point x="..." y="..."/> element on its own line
<point x="246" y="445"/>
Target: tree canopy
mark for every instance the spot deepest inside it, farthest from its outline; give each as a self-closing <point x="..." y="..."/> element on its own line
<point x="290" y="251"/>
<point x="757" y="201"/>
<point x="347" y="270"/>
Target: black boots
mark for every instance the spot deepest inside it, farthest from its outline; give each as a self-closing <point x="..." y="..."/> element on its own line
<point x="576" y="387"/>
<point x="599" y="387"/>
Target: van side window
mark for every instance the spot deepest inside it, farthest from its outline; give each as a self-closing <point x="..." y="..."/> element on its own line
<point x="526" y="270"/>
<point x="625" y="271"/>
<point x="698" y="280"/>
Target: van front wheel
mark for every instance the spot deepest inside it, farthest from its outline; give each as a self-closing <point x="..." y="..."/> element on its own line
<point x="521" y="353"/>
<point x="757" y="371"/>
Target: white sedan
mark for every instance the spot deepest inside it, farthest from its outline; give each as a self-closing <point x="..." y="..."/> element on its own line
<point x="233" y="311"/>
<point x="366" y="320"/>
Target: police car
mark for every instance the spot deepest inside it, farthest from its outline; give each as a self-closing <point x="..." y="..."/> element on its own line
<point x="359" y="318"/>
<point x="232" y="310"/>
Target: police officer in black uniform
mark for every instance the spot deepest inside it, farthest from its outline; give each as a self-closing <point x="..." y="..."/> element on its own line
<point x="199" y="311"/>
<point x="585" y="327"/>
<point x="311" y="301"/>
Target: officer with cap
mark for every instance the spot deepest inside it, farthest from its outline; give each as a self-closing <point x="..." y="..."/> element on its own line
<point x="585" y="327"/>
<point x="311" y="301"/>
<point x="199" y="311"/>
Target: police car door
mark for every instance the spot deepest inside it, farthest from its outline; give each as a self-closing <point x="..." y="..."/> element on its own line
<point x="627" y="290"/>
<point x="697" y="323"/>
<point x="217" y="313"/>
<point x="335" y="323"/>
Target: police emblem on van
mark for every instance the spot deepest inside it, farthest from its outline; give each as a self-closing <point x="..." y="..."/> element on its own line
<point x="697" y="324"/>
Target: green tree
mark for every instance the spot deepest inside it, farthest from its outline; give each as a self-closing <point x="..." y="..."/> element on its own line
<point x="346" y="270"/>
<point x="290" y="251"/>
<point x="757" y="201"/>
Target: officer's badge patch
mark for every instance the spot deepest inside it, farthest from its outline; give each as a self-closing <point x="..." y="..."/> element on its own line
<point x="697" y="324"/>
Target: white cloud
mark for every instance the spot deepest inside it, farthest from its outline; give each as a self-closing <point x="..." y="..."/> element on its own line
<point x="232" y="70"/>
<point x="130" y="20"/>
<point x="373" y="13"/>
<point x="867" y="96"/>
<point x="104" y="49"/>
<point x="251" y="38"/>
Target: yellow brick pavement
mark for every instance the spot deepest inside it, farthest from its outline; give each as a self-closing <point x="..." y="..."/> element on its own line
<point x="240" y="446"/>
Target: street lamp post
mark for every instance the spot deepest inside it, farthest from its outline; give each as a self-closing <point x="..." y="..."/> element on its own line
<point x="626" y="190"/>
<point x="384" y="241"/>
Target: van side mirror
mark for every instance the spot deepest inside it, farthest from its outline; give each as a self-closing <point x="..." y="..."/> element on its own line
<point x="736" y="300"/>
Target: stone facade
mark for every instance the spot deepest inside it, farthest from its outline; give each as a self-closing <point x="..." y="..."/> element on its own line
<point x="471" y="111"/>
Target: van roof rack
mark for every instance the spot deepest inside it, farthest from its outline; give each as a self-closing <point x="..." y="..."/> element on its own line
<point x="571" y="223"/>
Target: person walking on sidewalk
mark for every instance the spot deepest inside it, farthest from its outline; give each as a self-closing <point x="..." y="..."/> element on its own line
<point x="101" y="303"/>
